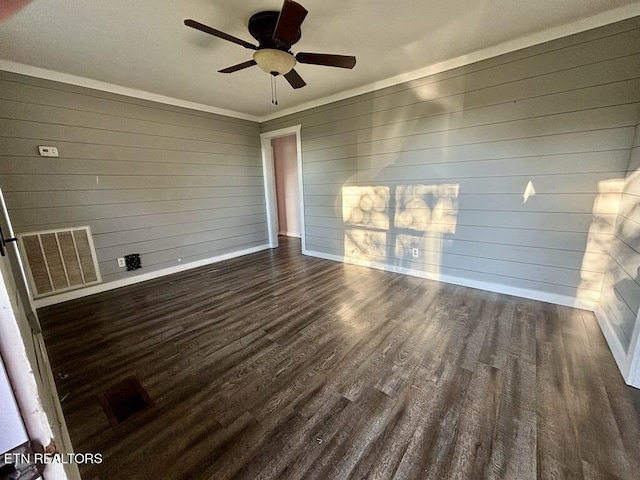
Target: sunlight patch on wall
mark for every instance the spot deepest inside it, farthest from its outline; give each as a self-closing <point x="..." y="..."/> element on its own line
<point x="365" y="245"/>
<point x="529" y="191"/>
<point x="427" y="92"/>
<point x="430" y="247"/>
<point x="600" y="236"/>
<point x="427" y="208"/>
<point x="366" y="206"/>
<point x="404" y="224"/>
<point x="366" y="211"/>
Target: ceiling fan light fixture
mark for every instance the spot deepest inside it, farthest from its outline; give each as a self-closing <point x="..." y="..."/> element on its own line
<point x="276" y="32"/>
<point x="273" y="61"/>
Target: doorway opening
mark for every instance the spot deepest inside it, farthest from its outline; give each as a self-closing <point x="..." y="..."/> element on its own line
<point x="282" y="166"/>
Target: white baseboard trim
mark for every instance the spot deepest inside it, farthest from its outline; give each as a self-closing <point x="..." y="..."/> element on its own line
<point x="633" y="378"/>
<point x="290" y="234"/>
<point x="103" y="287"/>
<point x="492" y="287"/>
<point x="622" y="358"/>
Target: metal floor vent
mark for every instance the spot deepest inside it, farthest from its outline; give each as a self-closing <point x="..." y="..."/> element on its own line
<point x="125" y="400"/>
<point x="59" y="260"/>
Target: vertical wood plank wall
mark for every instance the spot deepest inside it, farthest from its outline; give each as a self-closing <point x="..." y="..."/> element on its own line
<point x="172" y="184"/>
<point x="536" y="142"/>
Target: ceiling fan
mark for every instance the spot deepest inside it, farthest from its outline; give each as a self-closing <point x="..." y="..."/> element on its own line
<point x="276" y="32"/>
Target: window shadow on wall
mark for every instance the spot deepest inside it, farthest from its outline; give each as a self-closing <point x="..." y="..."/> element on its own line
<point x="397" y="224"/>
<point x="487" y="192"/>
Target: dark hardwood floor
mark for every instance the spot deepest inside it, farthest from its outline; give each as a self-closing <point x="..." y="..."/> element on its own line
<point x="280" y="366"/>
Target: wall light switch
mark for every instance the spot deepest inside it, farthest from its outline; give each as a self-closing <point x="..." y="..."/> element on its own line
<point x="121" y="262"/>
<point x="48" y="151"/>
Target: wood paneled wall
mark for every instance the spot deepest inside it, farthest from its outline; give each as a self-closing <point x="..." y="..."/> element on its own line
<point x="535" y="143"/>
<point x="172" y="184"/>
<point x="621" y="288"/>
<point x="509" y="168"/>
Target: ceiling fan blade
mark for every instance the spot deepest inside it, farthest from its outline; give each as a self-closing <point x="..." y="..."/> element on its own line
<point x="240" y="66"/>
<point x="291" y="17"/>
<point x="219" y="34"/>
<point x="341" y="61"/>
<point x="294" y="79"/>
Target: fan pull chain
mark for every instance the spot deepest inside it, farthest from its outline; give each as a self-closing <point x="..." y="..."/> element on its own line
<point x="274" y="92"/>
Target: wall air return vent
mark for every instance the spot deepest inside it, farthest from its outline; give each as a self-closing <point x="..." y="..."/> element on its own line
<point x="59" y="260"/>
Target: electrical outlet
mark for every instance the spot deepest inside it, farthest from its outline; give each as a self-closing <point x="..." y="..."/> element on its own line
<point x="414" y="252"/>
<point x="48" y="151"/>
<point x="121" y="262"/>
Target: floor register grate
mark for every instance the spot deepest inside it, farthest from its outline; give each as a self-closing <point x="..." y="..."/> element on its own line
<point x="125" y="400"/>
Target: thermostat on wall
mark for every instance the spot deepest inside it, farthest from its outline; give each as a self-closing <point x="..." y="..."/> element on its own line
<point x="48" y="151"/>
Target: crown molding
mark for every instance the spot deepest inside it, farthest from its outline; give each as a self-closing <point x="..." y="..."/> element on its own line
<point x="595" y="21"/>
<point x="67" y="78"/>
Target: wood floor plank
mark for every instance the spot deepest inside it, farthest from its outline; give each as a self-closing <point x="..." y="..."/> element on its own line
<point x="430" y="451"/>
<point x="599" y="439"/>
<point x="557" y="441"/>
<point x="625" y="407"/>
<point x="495" y="348"/>
<point x="513" y="449"/>
<point x="279" y="366"/>
<point x="476" y="429"/>
<point x="382" y="459"/>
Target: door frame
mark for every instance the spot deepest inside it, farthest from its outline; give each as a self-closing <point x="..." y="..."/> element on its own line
<point x="270" y="182"/>
<point x="26" y="360"/>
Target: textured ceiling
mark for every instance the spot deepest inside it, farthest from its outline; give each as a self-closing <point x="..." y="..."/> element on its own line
<point x="144" y="45"/>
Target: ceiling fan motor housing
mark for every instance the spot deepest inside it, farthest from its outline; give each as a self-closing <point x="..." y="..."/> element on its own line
<point x="262" y="26"/>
